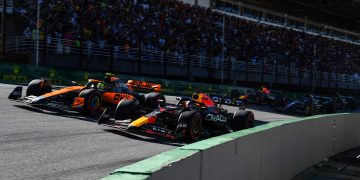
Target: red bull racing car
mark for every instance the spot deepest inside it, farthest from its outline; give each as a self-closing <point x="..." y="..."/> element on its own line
<point x="188" y="119"/>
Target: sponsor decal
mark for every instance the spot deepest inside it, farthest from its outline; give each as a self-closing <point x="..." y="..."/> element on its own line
<point x="55" y="81"/>
<point x="16" y="93"/>
<point x="78" y="103"/>
<point x="15" y="78"/>
<point x="143" y="84"/>
<point x="182" y="125"/>
<point x="228" y="101"/>
<point x="52" y="73"/>
<point x="216" y="118"/>
<point x="118" y="97"/>
<point x="159" y="129"/>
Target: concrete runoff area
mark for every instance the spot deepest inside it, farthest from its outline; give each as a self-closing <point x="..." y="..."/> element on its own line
<point x="275" y="151"/>
<point x="343" y="166"/>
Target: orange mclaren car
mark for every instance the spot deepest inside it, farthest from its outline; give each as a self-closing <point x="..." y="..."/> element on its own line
<point x="88" y="99"/>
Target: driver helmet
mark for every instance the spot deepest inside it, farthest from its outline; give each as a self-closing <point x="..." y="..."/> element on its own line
<point x="102" y="85"/>
<point x="110" y="78"/>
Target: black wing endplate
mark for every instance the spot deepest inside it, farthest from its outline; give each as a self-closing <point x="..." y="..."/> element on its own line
<point x="16" y="93"/>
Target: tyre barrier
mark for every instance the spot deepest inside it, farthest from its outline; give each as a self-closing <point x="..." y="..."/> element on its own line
<point x="275" y="151"/>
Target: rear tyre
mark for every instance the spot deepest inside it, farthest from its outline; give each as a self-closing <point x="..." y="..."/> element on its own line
<point x="193" y="121"/>
<point x="154" y="100"/>
<point x="126" y="109"/>
<point x="353" y="105"/>
<point x="38" y="87"/>
<point x="331" y="109"/>
<point x="93" y="100"/>
<point x="309" y="110"/>
<point x="242" y="119"/>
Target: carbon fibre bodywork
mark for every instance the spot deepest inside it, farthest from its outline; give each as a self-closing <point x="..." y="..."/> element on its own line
<point x="168" y="120"/>
<point x="309" y="106"/>
<point x="71" y="97"/>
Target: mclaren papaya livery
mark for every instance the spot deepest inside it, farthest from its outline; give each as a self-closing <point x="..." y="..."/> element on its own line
<point x="89" y="99"/>
<point x="143" y="86"/>
<point x="190" y="119"/>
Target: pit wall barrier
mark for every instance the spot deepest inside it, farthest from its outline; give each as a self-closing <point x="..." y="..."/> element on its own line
<point x="275" y="151"/>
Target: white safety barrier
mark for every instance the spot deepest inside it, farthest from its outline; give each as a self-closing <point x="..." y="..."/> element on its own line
<point x="275" y="151"/>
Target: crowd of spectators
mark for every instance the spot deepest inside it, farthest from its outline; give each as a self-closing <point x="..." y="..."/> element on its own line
<point x="173" y="26"/>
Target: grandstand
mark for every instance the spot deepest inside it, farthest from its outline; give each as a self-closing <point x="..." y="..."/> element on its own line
<point x="277" y="42"/>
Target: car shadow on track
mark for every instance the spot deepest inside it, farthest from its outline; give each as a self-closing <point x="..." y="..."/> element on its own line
<point x="264" y="108"/>
<point x="94" y="119"/>
<point x="146" y="137"/>
<point x="268" y="109"/>
<point x="58" y="112"/>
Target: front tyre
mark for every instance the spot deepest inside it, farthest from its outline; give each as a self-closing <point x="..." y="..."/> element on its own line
<point x="92" y="101"/>
<point x="190" y="125"/>
<point x="38" y="87"/>
<point x="126" y="109"/>
<point x="242" y="119"/>
<point x="309" y="110"/>
<point x="353" y="105"/>
<point x="154" y="100"/>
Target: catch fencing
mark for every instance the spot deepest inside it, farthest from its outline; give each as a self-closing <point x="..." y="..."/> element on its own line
<point x="116" y="53"/>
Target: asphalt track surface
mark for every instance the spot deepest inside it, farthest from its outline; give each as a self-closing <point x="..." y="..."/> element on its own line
<point x="46" y="144"/>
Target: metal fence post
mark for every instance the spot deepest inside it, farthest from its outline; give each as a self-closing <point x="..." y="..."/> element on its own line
<point x="262" y="71"/>
<point x="276" y="71"/>
<point x="289" y="72"/>
<point x="209" y="62"/>
<point x="111" y="57"/>
<point x="3" y="29"/>
<point x="165" y="62"/>
<point x="188" y="66"/>
<point x="45" y="44"/>
<point x="229" y="65"/>
<point x="301" y="75"/>
<point x="139" y="61"/>
<point x="329" y="79"/>
<point x="247" y="70"/>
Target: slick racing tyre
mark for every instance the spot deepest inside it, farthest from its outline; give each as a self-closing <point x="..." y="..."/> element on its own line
<point x="92" y="101"/>
<point x="242" y="120"/>
<point x="193" y="122"/>
<point x="154" y="100"/>
<point x="309" y="110"/>
<point x="125" y="109"/>
<point x="353" y="105"/>
<point x="38" y="87"/>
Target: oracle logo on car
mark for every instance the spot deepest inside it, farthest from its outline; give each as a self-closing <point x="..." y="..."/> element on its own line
<point x="215" y="118"/>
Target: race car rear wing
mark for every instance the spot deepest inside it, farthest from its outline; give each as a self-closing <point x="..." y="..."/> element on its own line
<point x="143" y="86"/>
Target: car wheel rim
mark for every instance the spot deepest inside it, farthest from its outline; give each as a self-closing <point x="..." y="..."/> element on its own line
<point x="95" y="103"/>
<point x="307" y="110"/>
<point x="196" y="127"/>
<point x="250" y="121"/>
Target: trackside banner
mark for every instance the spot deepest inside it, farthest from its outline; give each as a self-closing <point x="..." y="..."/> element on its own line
<point x="16" y="73"/>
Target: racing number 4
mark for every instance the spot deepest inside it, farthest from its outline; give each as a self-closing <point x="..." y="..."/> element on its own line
<point x="117" y="97"/>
